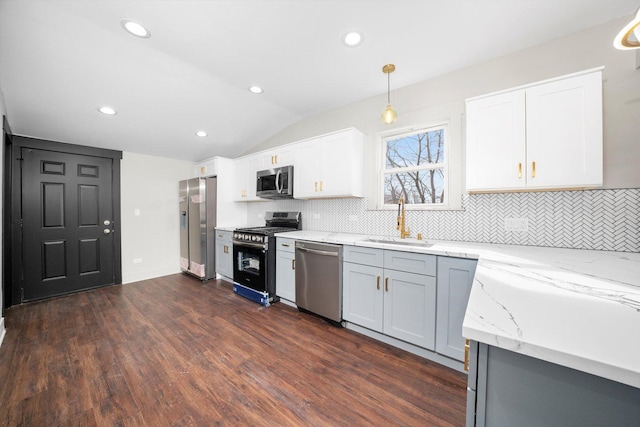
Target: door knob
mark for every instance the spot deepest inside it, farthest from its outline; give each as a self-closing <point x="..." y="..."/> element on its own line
<point x="106" y="231"/>
<point x="107" y="222"/>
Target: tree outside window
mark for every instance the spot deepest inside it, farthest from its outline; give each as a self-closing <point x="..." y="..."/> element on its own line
<point x="414" y="167"/>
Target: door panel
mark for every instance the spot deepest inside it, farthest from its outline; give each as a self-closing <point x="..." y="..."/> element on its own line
<point x="66" y="199"/>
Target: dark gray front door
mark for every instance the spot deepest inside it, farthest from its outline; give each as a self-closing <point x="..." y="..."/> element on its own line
<point x="67" y="232"/>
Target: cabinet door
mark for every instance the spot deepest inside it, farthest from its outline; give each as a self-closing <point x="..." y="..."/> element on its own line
<point x="455" y="276"/>
<point x="306" y="170"/>
<point x="245" y="179"/>
<point x="342" y="160"/>
<point x="410" y="307"/>
<point x="282" y="156"/>
<point x="362" y="295"/>
<point x="206" y="168"/>
<point x="285" y="275"/>
<point x="224" y="254"/>
<point x="564" y="133"/>
<point x="496" y="142"/>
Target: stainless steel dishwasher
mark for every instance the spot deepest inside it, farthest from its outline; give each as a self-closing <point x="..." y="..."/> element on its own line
<point x="319" y="279"/>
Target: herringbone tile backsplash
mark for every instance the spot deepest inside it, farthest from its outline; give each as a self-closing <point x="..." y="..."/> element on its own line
<point x="594" y="219"/>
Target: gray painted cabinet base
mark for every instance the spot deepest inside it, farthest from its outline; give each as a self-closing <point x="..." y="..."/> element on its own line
<point x="510" y="389"/>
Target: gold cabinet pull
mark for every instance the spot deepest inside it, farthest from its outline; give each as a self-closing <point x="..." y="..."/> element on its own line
<point x="378" y="283"/>
<point x="533" y="169"/>
<point x="226" y="249"/>
<point x="320" y="185"/>
<point x="519" y="170"/>
<point x="276" y="156"/>
<point x="315" y="186"/>
<point x="466" y="354"/>
<point x="293" y="264"/>
<point x="386" y="284"/>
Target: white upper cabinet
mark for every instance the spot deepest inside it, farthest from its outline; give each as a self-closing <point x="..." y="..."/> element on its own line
<point x="496" y="139"/>
<point x="543" y="136"/>
<point x="244" y="182"/>
<point x="329" y="166"/>
<point x="206" y="168"/>
<point x="564" y="133"/>
<point x="276" y="158"/>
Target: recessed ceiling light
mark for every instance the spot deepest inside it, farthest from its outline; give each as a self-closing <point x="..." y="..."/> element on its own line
<point x="201" y="133"/>
<point x="255" y="89"/>
<point x="135" y="28"/>
<point x="352" y="39"/>
<point x="107" y="110"/>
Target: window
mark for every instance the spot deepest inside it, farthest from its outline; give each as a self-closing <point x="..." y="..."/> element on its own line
<point x="414" y="167"/>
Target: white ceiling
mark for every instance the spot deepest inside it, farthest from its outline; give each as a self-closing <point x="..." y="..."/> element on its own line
<point x="61" y="60"/>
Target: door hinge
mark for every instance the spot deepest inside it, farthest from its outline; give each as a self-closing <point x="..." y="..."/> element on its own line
<point x="21" y="222"/>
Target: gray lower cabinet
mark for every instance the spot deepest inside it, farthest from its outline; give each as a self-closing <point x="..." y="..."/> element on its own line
<point x="511" y="389"/>
<point x="285" y="269"/>
<point x="224" y="253"/>
<point x="455" y="277"/>
<point x="391" y="292"/>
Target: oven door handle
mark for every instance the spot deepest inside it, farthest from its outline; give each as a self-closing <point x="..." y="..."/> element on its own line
<point x="250" y="245"/>
<point x="317" y="252"/>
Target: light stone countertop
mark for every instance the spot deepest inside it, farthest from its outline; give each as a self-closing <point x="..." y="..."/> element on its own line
<point x="576" y="308"/>
<point x="227" y="228"/>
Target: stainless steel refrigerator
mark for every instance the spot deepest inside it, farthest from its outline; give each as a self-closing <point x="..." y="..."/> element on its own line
<point x="197" y="223"/>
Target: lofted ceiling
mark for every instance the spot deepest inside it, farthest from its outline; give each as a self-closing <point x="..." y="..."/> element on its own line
<point x="62" y="60"/>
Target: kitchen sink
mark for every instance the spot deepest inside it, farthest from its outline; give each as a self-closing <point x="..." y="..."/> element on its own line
<point x="415" y="243"/>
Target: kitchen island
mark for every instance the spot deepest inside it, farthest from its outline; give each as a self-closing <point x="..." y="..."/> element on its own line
<point x="578" y="309"/>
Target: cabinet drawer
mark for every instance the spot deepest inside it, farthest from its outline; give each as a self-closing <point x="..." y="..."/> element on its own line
<point x="360" y="255"/>
<point x="285" y="245"/>
<point x="223" y="236"/>
<point x="410" y="262"/>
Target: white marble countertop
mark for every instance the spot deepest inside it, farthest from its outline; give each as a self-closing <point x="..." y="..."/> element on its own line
<point x="227" y="228"/>
<point x="576" y="308"/>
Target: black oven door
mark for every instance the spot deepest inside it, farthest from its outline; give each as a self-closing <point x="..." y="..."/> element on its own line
<point x="250" y="266"/>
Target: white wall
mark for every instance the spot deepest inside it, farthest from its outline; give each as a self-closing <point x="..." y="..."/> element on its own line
<point x="150" y="184"/>
<point x="584" y="50"/>
<point x="3" y="111"/>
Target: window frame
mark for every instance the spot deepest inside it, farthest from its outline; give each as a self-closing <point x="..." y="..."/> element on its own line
<point x="444" y="165"/>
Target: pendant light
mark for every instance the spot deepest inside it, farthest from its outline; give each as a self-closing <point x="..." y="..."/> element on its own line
<point x="629" y="36"/>
<point x="389" y="115"/>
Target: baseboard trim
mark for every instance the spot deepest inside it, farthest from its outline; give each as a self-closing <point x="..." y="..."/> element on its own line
<point x="418" y="351"/>
<point x="3" y="331"/>
<point x="131" y="277"/>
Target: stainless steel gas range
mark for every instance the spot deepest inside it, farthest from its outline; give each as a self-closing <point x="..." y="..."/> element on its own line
<point x="254" y="256"/>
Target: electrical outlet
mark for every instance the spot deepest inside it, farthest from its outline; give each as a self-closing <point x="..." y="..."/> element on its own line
<point x="353" y="217"/>
<point x="516" y="224"/>
<point x="316" y="216"/>
<point x="137" y="260"/>
<point x="136" y="212"/>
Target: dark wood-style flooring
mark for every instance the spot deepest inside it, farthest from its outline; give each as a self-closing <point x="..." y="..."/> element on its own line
<point x="173" y="351"/>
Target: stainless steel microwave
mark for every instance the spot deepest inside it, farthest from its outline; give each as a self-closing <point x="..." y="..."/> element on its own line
<point x="276" y="183"/>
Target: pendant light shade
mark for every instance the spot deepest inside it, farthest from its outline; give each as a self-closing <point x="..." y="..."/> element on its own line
<point x="389" y="115"/>
<point x="629" y="36"/>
